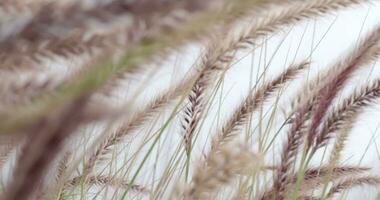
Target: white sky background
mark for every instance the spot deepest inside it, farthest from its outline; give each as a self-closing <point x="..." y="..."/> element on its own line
<point x="331" y="36"/>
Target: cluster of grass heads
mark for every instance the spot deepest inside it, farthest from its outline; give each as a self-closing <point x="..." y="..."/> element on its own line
<point x="67" y="134"/>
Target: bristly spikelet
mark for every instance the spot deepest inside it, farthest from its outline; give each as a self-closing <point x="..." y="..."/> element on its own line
<point x="220" y="168"/>
<point x="288" y="13"/>
<point x="358" y="57"/>
<point x="12" y="91"/>
<point x="213" y="62"/>
<point x="316" y="177"/>
<point x="104" y="181"/>
<point x="324" y="96"/>
<point x="313" y="178"/>
<point x="38" y="40"/>
<point x="62" y="166"/>
<point x="253" y="101"/>
<point x="353" y="182"/>
<point x="347" y="111"/>
<point x="192" y="114"/>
